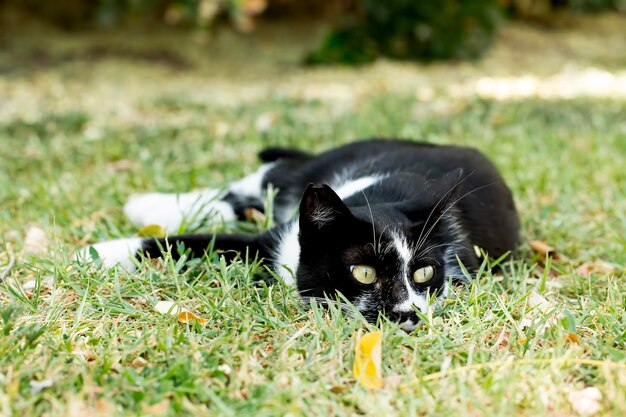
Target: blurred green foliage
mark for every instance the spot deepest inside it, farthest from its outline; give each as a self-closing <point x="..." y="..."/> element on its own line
<point x="407" y="29"/>
<point x="363" y="31"/>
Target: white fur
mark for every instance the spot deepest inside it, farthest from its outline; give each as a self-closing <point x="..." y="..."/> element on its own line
<point x="252" y="185"/>
<point x="420" y="301"/>
<point x="322" y="215"/>
<point x="114" y="253"/>
<point x="353" y="186"/>
<point x="408" y="325"/>
<point x="287" y="255"/>
<point x="170" y="211"/>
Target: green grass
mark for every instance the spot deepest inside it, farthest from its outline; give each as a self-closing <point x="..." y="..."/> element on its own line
<point x="68" y="164"/>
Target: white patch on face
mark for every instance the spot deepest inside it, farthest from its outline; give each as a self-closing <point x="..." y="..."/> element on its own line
<point x="113" y="253"/>
<point x="170" y="211"/>
<point x="251" y="185"/>
<point x="351" y="187"/>
<point x="287" y="255"/>
<point x="408" y="326"/>
<point x="405" y="254"/>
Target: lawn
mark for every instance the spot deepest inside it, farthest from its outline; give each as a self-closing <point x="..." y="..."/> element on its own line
<point x="86" y="121"/>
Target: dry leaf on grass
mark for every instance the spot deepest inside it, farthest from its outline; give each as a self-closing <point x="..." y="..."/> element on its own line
<point x="253" y="215"/>
<point x="542" y="248"/>
<point x="188" y="316"/>
<point x="368" y="360"/>
<point x="539" y="308"/>
<point x="184" y="315"/>
<point x="595" y="267"/>
<point x="586" y="402"/>
<point x="167" y="307"/>
<point x="546" y="250"/>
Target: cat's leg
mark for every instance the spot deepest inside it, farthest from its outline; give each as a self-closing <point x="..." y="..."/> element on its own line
<point x="173" y="211"/>
<point x="124" y="253"/>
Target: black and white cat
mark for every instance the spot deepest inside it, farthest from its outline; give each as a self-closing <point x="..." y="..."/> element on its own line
<point x="383" y="222"/>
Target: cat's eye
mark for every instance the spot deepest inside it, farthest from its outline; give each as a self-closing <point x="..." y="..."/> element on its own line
<point x="365" y="274"/>
<point x="424" y="274"/>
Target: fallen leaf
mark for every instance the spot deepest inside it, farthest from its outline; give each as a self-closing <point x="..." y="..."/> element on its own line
<point x="138" y="362"/>
<point x="338" y="389"/>
<point x="572" y="338"/>
<point x="541" y="311"/>
<point x="586" y="402"/>
<point x="253" y="215"/>
<point x="542" y="248"/>
<point x="36" y="241"/>
<point x="152" y="230"/>
<point x="367" y="367"/>
<point x="187" y="316"/>
<point x="184" y="315"/>
<point x="503" y="339"/>
<point x="540" y="303"/>
<point x="601" y="267"/>
<point x="167" y="307"/>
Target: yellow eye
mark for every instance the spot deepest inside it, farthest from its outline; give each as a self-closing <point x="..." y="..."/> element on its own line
<point x="365" y="274"/>
<point x="424" y="274"/>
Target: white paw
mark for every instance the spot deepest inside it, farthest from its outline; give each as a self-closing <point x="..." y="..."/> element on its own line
<point x="170" y="211"/>
<point x="113" y="253"/>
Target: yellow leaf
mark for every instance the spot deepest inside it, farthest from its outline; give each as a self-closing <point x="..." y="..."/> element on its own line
<point x="572" y="338"/>
<point x="152" y="230"/>
<point x="184" y="315"/>
<point x="368" y="360"/>
<point x="187" y="316"/>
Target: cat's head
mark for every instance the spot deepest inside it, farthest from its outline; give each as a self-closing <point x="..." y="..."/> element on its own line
<point x="390" y="259"/>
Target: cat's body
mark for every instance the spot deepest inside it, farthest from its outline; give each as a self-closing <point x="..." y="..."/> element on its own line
<point x="385" y="225"/>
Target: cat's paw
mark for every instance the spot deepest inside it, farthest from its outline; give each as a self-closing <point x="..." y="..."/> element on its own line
<point x="113" y="253"/>
<point x="171" y="211"/>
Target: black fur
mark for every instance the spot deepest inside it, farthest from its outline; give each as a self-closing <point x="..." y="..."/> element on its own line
<point x="436" y="202"/>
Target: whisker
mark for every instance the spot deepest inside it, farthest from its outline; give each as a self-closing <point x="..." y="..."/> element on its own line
<point x="431" y="247"/>
<point x="372" y="218"/>
<point x="450" y="207"/>
<point x="459" y="182"/>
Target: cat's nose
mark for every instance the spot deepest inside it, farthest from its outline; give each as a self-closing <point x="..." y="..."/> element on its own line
<point x="401" y="316"/>
<point x="407" y="320"/>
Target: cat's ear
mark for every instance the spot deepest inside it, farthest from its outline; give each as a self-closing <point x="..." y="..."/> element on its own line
<point x="320" y="207"/>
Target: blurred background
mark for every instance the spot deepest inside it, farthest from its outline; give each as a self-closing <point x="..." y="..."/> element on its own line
<point x="171" y="95"/>
<point x="104" y="56"/>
